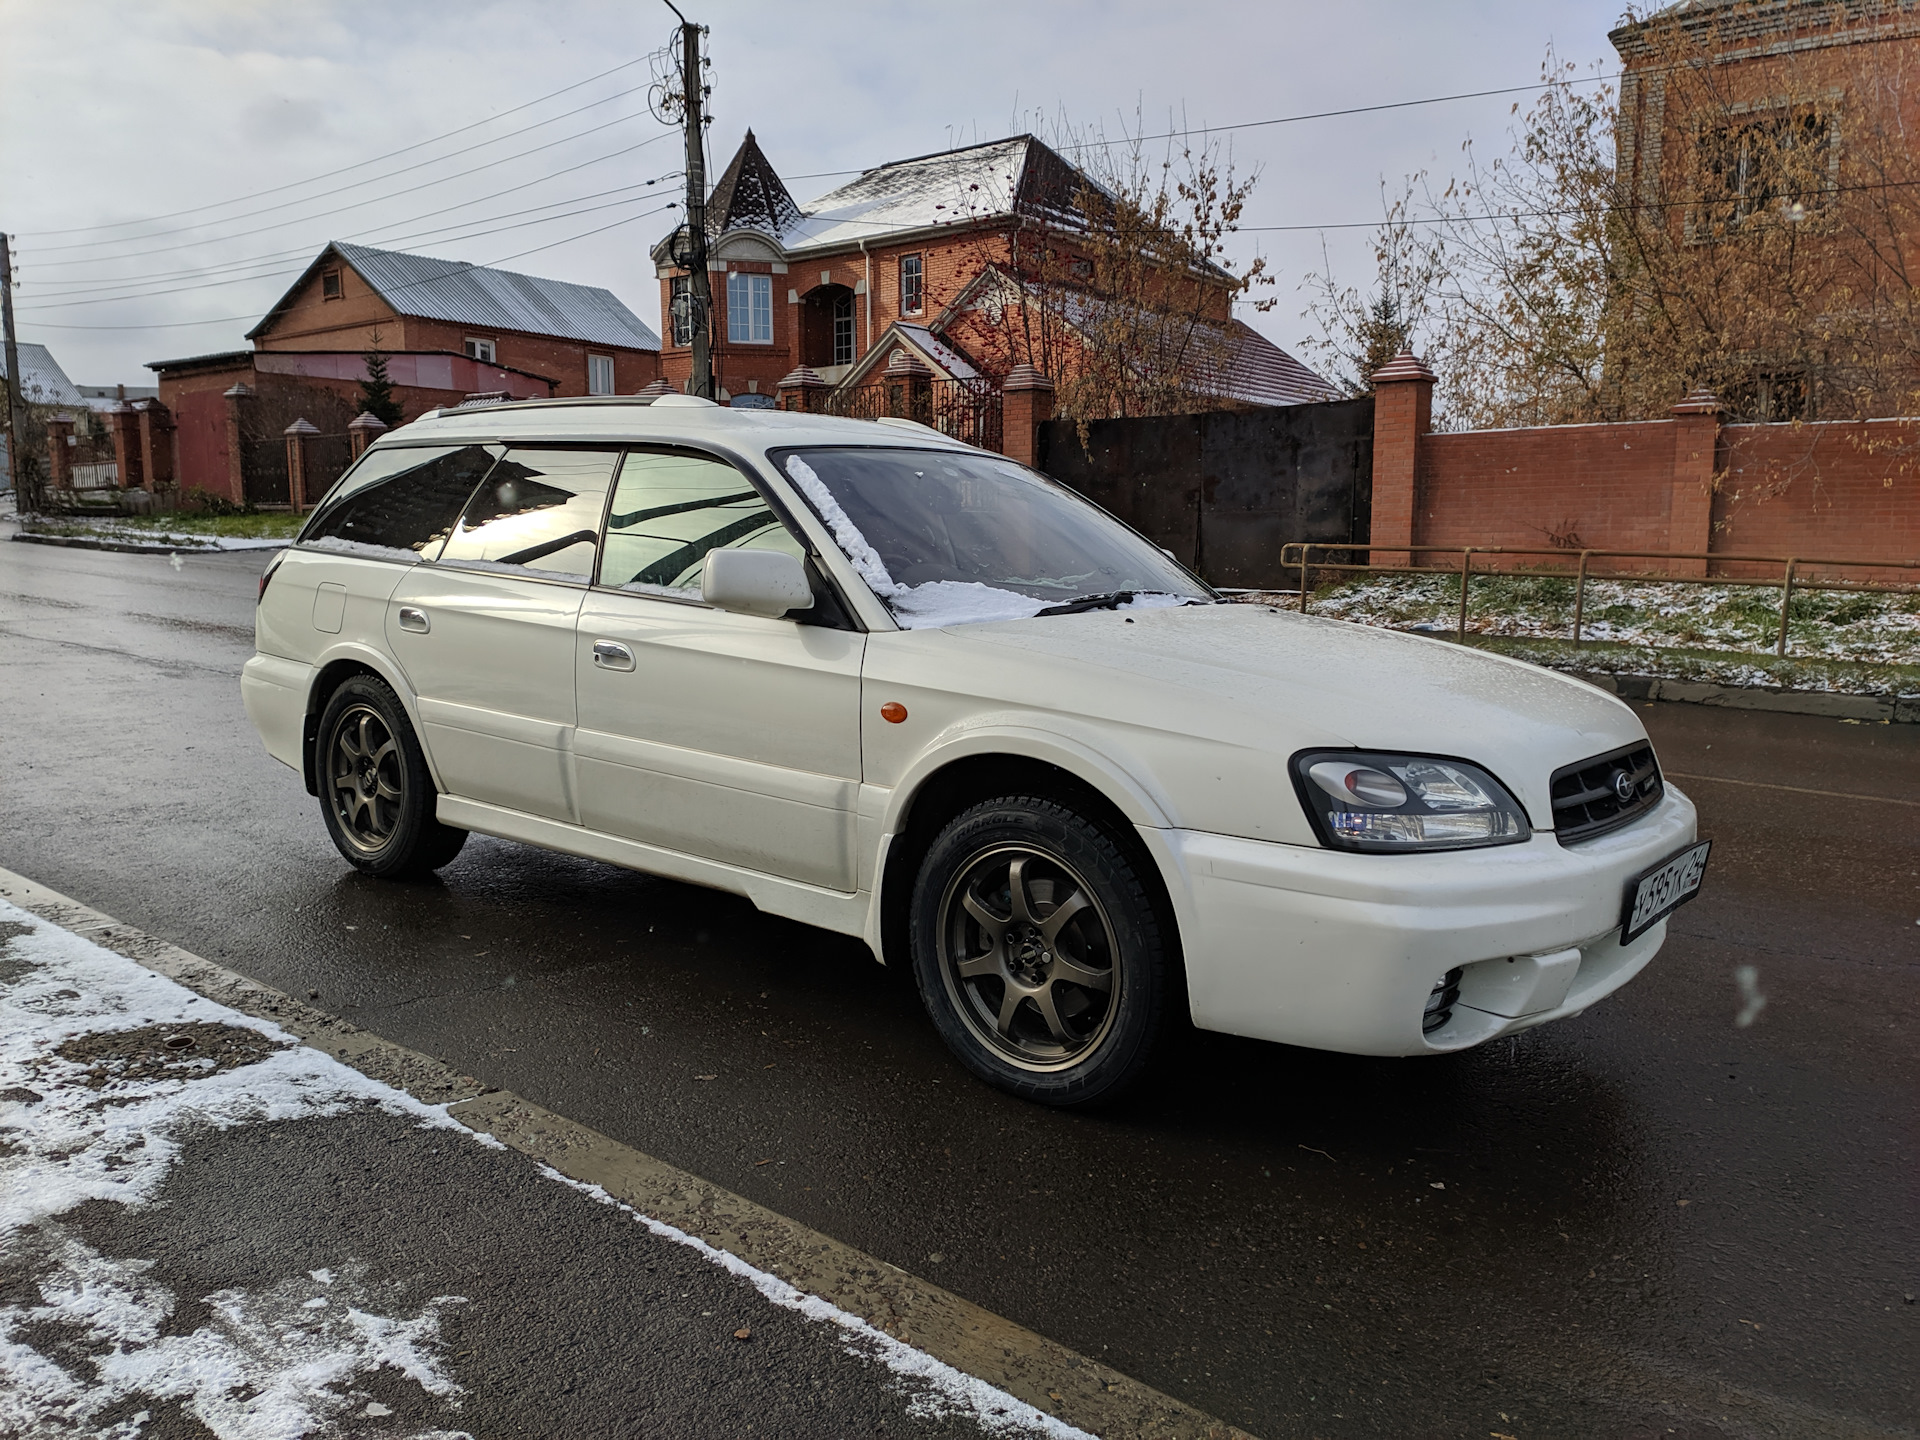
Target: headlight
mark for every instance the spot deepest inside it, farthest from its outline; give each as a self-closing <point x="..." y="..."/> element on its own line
<point x="1364" y="801"/>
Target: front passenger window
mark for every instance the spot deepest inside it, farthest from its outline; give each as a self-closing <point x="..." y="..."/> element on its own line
<point x="538" y="512"/>
<point x="670" y="510"/>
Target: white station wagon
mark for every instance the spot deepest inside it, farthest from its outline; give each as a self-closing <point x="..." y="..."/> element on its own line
<point x="885" y="683"/>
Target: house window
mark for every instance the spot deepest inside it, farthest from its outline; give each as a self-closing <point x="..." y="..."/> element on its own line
<point x="912" y="291"/>
<point x="680" y="308"/>
<point x="600" y="374"/>
<point x="749" y="309"/>
<point x="843" y="328"/>
<point x="330" y="285"/>
<point x="480" y="349"/>
<point x="1779" y="163"/>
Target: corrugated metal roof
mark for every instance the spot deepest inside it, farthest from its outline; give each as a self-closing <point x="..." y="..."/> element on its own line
<point x="488" y="299"/>
<point x="42" y="381"/>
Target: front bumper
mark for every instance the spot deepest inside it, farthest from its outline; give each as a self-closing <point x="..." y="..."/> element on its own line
<point x="1339" y="951"/>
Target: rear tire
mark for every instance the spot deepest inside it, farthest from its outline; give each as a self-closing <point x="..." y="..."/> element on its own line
<point x="1038" y="952"/>
<point x="376" y="793"/>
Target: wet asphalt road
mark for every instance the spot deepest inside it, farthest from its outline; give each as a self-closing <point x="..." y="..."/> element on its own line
<point x="1643" y="1222"/>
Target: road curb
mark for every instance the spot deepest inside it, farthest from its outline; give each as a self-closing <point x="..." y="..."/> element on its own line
<point x="127" y="547"/>
<point x="1899" y="709"/>
<point x="1050" y="1377"/>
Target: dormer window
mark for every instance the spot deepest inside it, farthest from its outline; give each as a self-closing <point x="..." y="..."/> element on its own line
<point x="330" y="285"/>
<point x="480" y="349"/>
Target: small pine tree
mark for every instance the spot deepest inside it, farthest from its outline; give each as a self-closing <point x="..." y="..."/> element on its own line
<point x="376" y="391"/>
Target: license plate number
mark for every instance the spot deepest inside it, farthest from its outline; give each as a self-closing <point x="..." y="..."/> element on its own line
<point x="1659" y="890"/>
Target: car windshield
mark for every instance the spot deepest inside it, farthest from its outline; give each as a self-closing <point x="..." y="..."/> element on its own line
<point x="945" y="538"/>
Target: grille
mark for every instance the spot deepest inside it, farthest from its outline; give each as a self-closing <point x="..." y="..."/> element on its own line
<point x="1588" y="800"/>
<point x="1446" y="993"/>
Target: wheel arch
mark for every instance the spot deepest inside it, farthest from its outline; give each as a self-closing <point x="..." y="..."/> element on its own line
<point x="941" y="788"/>
<point x="330" y="672"/>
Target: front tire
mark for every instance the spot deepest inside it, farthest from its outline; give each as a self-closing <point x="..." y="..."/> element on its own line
<point x="1038" y="952"/>
<point x="376" y="793"/>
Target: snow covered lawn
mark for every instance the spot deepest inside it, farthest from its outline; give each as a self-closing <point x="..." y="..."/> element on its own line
<point x="1875" y="628"/>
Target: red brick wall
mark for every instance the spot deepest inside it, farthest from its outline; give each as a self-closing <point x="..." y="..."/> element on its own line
<point x="1599" y="486"/>
<point x="1839" y="490"/>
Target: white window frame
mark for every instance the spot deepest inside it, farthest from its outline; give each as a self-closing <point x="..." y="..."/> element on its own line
<point x="600" y="368"/>
<point x="749" y="308"/>
<point x="919" y="305"/>
<point x="482" y="350"/>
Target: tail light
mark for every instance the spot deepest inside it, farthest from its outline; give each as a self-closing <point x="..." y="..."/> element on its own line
<point x="267" y="574"/>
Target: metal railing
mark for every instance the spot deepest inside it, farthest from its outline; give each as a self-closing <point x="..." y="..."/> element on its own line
<point x="1298" y="554"/>
<point x="965" y="409"/>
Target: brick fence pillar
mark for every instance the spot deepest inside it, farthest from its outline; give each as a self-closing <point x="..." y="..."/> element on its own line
<point x="802" y="389"/>
<point x="237" y="398"/>
<point x="1696" y="439"/>
<point x="1402" y="416"/>
<point x="156" y="444"/>
<point x="298" y="433"/>
<point x="59" y="463"/>
<point x="909" y="387"/>
<point x="125" y="425"/>
<point x="1027" y="404"/>
<point x="363" y="430"/>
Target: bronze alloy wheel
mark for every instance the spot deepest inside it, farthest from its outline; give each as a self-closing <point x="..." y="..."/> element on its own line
<point x="1028" y="955"/>
<point x="366" y="778"/>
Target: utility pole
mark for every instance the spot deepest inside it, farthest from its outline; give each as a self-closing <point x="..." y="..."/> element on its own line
<point x="16" y="425"/>
<point x="699" y="286"/>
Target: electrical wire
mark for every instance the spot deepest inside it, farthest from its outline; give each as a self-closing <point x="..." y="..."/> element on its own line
<point x="375" y="200"/>
<point x="517" y="255"/>
<point x="362" y="164"/>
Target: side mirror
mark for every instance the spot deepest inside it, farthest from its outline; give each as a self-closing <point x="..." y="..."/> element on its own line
<point x="755" y="582"/>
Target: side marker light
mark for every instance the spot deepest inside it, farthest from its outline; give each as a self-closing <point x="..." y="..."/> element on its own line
<point x="893" y="712"/>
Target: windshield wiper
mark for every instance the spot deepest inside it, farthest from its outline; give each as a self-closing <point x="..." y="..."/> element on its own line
<point x="1112" y="599"/>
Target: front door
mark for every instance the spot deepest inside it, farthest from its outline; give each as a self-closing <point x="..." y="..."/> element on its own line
<point x="485" y="632"/>
<point x="731" y="737"/>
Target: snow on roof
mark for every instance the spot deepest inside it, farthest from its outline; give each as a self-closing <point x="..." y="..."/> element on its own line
<point x="750" y="196"/>
<point x="487" y="299"/>
<point x="42" y="381"/>
<point x="952" y="187"/>
<point x="946" y="361"/>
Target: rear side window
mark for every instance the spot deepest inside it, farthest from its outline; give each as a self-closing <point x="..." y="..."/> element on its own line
<point x="670" y="510"/>
<point x="399" y="504"/>
<point x="539" y="512"/>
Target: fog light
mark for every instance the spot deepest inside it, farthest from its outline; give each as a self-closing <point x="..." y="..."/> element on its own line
<point x="1446" y="994"/>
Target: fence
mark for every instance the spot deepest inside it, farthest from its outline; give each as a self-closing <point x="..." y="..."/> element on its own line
<point x="968" y="410"/>
<point x="1299" y="556"/>
<point x="1223" y="491"/>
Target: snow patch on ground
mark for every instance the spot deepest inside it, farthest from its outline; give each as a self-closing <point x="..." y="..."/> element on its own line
<point x="936" y="1388"/>
<point x="67" y="1142"/>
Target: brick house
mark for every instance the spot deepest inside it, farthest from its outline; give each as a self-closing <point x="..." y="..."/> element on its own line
<point x="900" y="259"/>
<point x="1743" y="118"/>
<point x="449" y="330"/>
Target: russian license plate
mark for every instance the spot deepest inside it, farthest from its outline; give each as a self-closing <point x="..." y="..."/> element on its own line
<point x="1659" y="890"/>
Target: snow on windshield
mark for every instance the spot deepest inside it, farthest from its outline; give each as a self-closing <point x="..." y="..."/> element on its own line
<point x="1098" y="556"/>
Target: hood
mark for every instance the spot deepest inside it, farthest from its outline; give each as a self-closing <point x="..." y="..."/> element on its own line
<point x="1252" y="675"/>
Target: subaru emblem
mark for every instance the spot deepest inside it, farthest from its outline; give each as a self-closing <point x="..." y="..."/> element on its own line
<point x="1623" y="786"/>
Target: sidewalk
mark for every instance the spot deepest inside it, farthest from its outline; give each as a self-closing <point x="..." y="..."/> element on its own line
<point x="205" y="1223"/>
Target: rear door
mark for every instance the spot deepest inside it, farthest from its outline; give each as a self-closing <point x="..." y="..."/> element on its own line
<point x="731" y="737"/>
<point x="486" y="631"/>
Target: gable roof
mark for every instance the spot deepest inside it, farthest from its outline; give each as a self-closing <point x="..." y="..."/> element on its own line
<point x="941" y="355"/>
<point x="42" y="381"/>
<point x="482" y="297"/>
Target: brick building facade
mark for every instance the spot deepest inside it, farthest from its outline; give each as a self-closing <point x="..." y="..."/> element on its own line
<point x="904" y="257"/>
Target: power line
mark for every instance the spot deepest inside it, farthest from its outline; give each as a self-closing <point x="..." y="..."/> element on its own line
<point x="294" y="270"/>
<point x="361" y="204"/>
<point x="1278" y="120"/>
<point x="362" y="164"/>
<point x="517" y="255"/>
<point x="386" y="231"/>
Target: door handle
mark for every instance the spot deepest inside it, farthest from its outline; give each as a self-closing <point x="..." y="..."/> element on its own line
<point x="612" y="655"/>
<point x="414" y="619"/>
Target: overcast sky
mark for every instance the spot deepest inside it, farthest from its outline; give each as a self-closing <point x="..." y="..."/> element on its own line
<point x="229" y="109"/>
